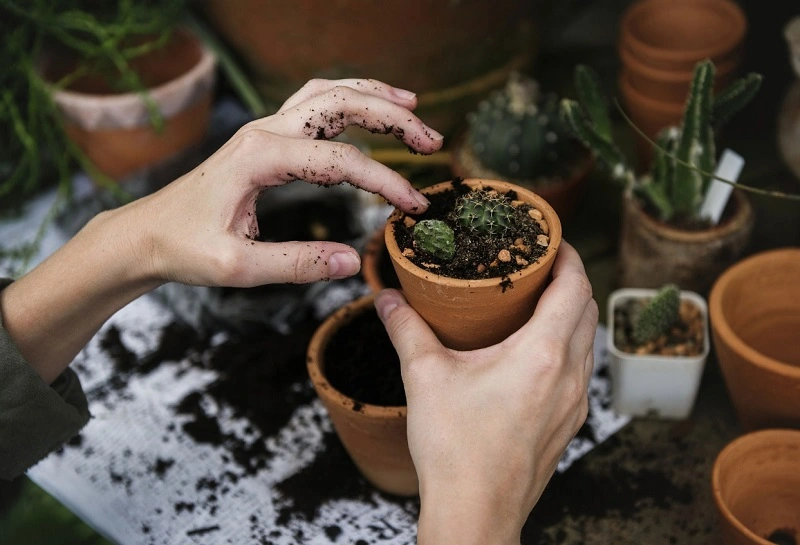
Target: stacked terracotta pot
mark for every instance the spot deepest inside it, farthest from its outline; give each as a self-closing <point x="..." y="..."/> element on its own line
<point x="660" y="41"/>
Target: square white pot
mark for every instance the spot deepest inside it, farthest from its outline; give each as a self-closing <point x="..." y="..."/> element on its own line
<point x="661" y="386"/>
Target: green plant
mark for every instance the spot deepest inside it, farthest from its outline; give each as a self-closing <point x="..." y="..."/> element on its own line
<point x="436" y="238"/>
<point x="484" y="212"/>
<point x="517" y="133"/>
<point x="685" y="156"/>
<point x="658" y="315"/>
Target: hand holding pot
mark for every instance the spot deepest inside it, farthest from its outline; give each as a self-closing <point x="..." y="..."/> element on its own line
<point x="486" y="428"/>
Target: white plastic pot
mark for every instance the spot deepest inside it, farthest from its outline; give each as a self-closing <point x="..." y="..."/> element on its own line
<point x="661" y="386"/>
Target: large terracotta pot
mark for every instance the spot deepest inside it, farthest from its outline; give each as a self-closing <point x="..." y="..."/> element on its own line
<point x="653" y="253"/>
<point x="756" y="487"/>
<point x="675" y="34"/>
<point x="114" y="129"/>
<point x="470" y="314"/>
<point x="450" y="53"/>
<point x="755" y="321"/>
<point x="374" y="436"/>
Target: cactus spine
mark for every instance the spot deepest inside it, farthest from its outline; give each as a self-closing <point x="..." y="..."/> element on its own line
<point x="484" y="212"/>
<point x="685" y="155"/>
<point x="435" y="238"/>
<point x="658" y="315"/>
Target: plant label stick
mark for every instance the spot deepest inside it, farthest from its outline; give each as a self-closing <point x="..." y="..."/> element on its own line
<point x="729" y="168"/>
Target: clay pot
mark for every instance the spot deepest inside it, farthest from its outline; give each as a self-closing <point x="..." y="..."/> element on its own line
<point x="374" y="436"/>
<point x="564" y="196"/>
<point x="471" y="314"/>
<point x="449" y="53"/>
<point x="653" y="253"/>
<point x="114" y="129"/>
<point x="756" y="487"/>
<point x="674" y="35"/>
<point x="755" y="320"/>
<point x="376" y="267"/>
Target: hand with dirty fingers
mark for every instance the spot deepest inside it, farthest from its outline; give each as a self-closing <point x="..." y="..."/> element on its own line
<point x="486" y="428"/>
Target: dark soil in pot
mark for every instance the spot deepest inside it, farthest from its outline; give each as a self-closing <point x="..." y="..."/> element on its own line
<point x="685" y="338"/>
<point x="476" y="257"/>
<point x="361" y="362"/>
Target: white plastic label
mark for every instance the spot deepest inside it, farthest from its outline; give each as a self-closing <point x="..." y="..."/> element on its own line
<point x="728" y="168"/>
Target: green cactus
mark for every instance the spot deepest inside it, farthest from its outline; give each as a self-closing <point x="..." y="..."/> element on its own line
<point x="517" y="133"/>
<point x="657" y="315"/>
<point x="685" y="156"/>
<point x="484" y="212"/>
<point x="435" y="238"/>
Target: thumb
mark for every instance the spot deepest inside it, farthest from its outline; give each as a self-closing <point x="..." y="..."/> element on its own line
<point x="299" y="262"/>
<point x="409" y="333"/>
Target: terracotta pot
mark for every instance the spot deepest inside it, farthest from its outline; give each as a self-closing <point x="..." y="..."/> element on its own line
<point x="450" y="53"/>
<point x="470" y="314"/>
<point x="669" y="85"/>
<point x="114" y="129"/>
<point x="376" y="267"/>
<point x="755" y="320"/>
<point x="564" y="196"/>
<point x="756" y="487"/>
<point x="374" y="436"/>
<point x="675" y="34"/>
<point x="653" y="253"/>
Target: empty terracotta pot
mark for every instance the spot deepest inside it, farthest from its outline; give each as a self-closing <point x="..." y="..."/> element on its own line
<point x="374" y="436"/>
<point x="653" y="253"/>
<point x="755" y="322"/>
<point x="471" y="314"/>
<point x="114" y="129"/>
<point x="756" y="487"/>
<point x="675" y="34"/>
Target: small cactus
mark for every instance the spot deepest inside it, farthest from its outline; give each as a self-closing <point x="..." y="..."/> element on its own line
<point x="484" y="212"/>
<point x="517" y="133"/>
<point x="436" y="238"/>
<point x="658" y="315"/>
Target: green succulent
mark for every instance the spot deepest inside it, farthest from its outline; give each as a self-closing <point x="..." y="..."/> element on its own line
<point x="484" y="212"/>
<point x="658" y="315"/>
<point x="436" y="238"/>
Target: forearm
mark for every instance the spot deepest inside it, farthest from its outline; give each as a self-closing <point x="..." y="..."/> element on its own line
<point x="54" y="310"/>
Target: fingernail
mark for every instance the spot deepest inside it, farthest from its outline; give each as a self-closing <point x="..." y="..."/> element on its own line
<point x="421" y="199"/>
<point x="402" y="93"/>
<point x="343" y="264"/>
<point x="386" y="301"/>
<point x="432" y="134"/>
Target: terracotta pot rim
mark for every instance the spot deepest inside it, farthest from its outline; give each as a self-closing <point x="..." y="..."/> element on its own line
<point x="315" y="356"/>
<point x="734" y="13"/>
<point x="631" y="93"/>
<point x="206" y="63"/>
<point x="787" y="435"/>
<point x="523" y="194"/>
<point x="634" y="64"/>
<point x="370" y="260"/>
<point x="719" y="322"/>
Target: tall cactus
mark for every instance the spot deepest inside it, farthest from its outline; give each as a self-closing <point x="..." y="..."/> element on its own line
<point x="685" y="155"/>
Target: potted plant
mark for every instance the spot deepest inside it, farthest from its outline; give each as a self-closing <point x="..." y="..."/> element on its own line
<point x="658" y="343"/>
<point x="755" y="480"/>
<point x="755" y="321"/>
<point x="517" y="135"/>
<point x="476" y="261"/>
<point x="664" y="237"/>
<point x="356" y="374"/>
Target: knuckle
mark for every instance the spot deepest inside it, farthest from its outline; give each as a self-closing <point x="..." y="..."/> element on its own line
<point x="349" y="153"/>
<point x="581" y="286"/>
<point x="227" y="266"/>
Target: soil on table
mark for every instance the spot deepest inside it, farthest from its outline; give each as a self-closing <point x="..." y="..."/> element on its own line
<point x="476" y="257"/>
<point x="685" y="338"/>
<point x="361" y="363"/>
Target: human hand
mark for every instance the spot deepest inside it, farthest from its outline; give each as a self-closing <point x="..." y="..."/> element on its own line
<point x="486" y="428"/>
<point x="202" y="228"/>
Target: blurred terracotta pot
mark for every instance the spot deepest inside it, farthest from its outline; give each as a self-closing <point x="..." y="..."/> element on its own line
<point x="756" y="487"/>
<point x="653" y="253"/>
<point x="674" y="35"/>
<point x="114" y="129"/>
<point x="376" y="267"/>
<point x="755" y="321"/>
<point x="470" y="314"/>
<point x="670" y="86"/>
<point x="374" y="436"/>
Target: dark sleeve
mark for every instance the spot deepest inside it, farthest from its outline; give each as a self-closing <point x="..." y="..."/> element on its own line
<point x="35" y="418"/>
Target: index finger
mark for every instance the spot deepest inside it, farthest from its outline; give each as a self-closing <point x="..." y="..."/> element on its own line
<point x="318" y="86"/>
